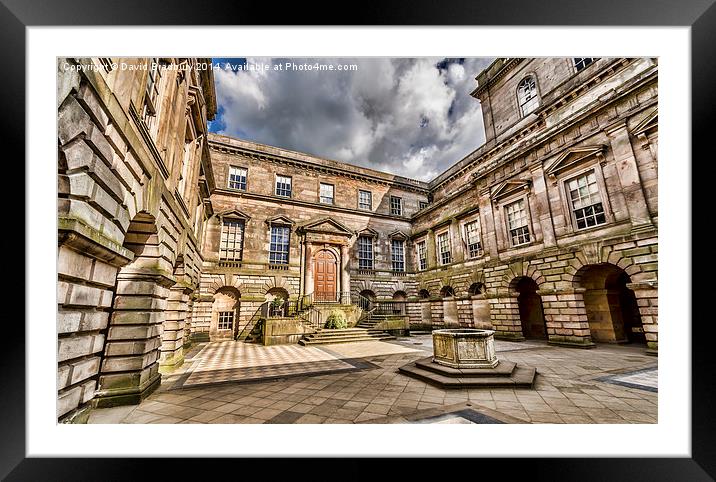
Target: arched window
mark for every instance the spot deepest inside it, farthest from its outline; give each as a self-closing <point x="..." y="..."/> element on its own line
<point x="527" y="95"/>
<point x="581" y="63"/>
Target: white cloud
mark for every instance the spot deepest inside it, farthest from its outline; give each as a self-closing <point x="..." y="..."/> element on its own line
<point x="403" y="116"/>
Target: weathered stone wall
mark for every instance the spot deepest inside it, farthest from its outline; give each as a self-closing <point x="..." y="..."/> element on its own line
<point x="122" y="228"/>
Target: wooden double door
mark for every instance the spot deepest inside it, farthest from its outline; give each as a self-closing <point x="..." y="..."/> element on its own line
<point x="325" y="273"/>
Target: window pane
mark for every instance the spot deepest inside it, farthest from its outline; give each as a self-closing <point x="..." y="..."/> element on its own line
<point x="365" y="252"/>
<point x="396" y="206"/>
<point x="586" y="201"/>
<point x="444" y="248"/>
<point x="472" y="235"/>
<point x="326" y="193"/>
<point x="527" y="95"/>
<point x="283" y="186"/>
<point x="237" y="178"/>
<point x="398" y="255"/>
<point x="278" y="251"/>
<point x="422" y="255"/>
<point x="365" y="200"/>
<point x="231" y="240"/>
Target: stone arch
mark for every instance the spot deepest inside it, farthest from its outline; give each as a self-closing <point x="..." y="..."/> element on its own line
<point x="521" y="270"/>
<point x="529" y="304"/>
<point x="606" y="255"/>
<point x="477" y="288"/>
<point x="365" y="285"/>
<point x="612" y="310"/>
<point x="423" y="294"/>
<point x="447" y="292"/>
<point x="138" y="316"/>
<point x="219" y="281"/>
<point x="400" y="295"/>
<point x="400" y="286"/>
<point x="225" y="309"/>
<point x="279" y="282"/>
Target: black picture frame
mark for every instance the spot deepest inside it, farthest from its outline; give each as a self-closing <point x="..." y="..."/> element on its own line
<point x="700" y="15"/>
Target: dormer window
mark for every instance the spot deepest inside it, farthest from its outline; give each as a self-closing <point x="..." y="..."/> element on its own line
<point x="527" y="95"/>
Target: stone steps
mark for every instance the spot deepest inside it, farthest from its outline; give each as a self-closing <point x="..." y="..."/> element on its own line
<point x="506" y="374"/>
<point x="348" y="335"/>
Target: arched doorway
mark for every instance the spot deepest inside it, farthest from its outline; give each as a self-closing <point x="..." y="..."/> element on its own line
<point x="325" y="272"/>
<point x="277" y="298"/>
<point x="449" y="306"/>
<point x="480" y="306"/>
<point x="612" y="310"/>
<point x="366" y="299"/>
<point x="530" y="305"/>
<point x="399" y="299"/>
<point x="225" y="314"/>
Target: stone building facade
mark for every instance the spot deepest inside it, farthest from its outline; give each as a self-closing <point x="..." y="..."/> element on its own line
<point x="564" y="192"/>
<point x="134" y="182"/>
<point x="323" y="209"/>
<point x="548" y="230"/>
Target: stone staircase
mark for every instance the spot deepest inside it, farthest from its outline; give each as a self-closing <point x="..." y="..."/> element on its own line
<point x="347" y="335"/>
<point x="506" y="374"/>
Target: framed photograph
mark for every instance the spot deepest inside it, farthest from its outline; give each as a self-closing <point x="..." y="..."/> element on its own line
<point x="359" y="241"/>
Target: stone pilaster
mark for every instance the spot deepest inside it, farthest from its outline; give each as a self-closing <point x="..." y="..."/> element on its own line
<point x="430" y="246"/>
<point x="130" y="367"/>
<point x="186" y="340"/>
<point x="629" y="177"/>
<point x="505" y="312"/>
<point x="172" y="349"/>
<point x="540" y="206"/>
<point x="487" y="217"/>
<point x="566" y="318"/>
<point x="456" y="242"/>
<point x="647" y="298"/>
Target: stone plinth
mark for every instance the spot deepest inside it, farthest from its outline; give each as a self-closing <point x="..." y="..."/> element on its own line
<point x="464" y="348"/>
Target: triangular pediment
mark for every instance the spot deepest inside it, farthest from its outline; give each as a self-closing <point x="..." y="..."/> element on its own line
<point x="326" y="225"/>
<point x="651" y="121"/>
<point x="397" y="234"/>
<point x="574" y="156"/>
<point x="368" y="232"/>
<point x="280" y="220"/>
<point x="234" y="213"/>
<point x="509" y="187"/>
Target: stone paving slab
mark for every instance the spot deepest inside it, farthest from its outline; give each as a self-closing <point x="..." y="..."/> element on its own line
<point x="572" y="386"/>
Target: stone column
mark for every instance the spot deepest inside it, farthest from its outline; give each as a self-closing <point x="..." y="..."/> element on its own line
<point x="540" y="206"/>
<point x="130" y="368"/>
<point x="172" y="349"/>
<point x="505" y="314"/>
<point x="186" y="339"/>
<point x="647" y="298"/>
<point x="629" y="177"/>
<point x="308" y="270"/>
<point x="345" y="275"/>
<point x="566" y="317"/>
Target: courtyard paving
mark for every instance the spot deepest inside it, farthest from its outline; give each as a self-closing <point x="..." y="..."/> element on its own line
<point x="230" y="382"/>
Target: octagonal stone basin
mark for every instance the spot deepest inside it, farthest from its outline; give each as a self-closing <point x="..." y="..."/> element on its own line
<point x="464" y="348"/>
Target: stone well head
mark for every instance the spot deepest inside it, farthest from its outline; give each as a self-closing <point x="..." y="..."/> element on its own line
<point x="464" y="348"/>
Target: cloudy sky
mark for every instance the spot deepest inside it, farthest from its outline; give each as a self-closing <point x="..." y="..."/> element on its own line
<point x="408" y="116"/>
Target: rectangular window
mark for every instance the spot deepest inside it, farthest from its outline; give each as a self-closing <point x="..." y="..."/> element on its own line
<point x="472" y="238"/>
<point x="396" y="206"/>
<point x="397" y="255"/>
<point x="444" y="248"/>
<point x="226" y="320"/>
<point x="422" y="204"/>
<point x="586" y="201"/>
<point x="278" y="252"/>
<point x="232" y="240"/>
<point x="365" y="252"/>
<point x="327" y="193"/>
<point x="365" y="200"/>
<point x="283" y="186"/>
<point x="237" y="178"/>
<point x="422" y="255"/>
<point x="582" y="63"/>
<point x="517" y="223"/>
